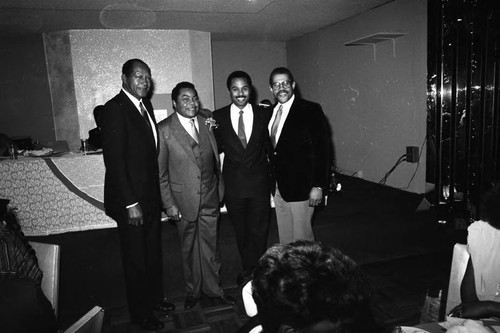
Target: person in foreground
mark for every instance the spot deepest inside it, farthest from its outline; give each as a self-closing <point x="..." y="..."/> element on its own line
<point x="300" y="164"/>
<point x="132" y="192"/>
<point x="306" y="286"/>
<point x="243" y="138"/>
<point x="480" y="288"/>
<point x="23" y="305"/>
<point x="469" y="326"/>
<point x="191" y="189"/>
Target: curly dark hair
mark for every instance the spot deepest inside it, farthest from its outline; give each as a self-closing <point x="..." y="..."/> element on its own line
<point x="490" y="207"/>
<point x="305" y="282"/>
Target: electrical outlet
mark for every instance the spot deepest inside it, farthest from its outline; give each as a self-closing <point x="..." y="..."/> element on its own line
<point x="412" y="154"/>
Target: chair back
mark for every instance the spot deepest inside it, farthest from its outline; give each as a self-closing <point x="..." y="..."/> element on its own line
<point x="458" y="265"/>
<point x="48" y="256"/>
<point x="91" y="322"/>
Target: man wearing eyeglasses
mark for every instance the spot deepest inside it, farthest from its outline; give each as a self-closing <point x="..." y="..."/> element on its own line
<point x="300" y="162"/>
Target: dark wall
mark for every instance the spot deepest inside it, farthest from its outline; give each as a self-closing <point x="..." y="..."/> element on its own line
<point x="26" y="108"/>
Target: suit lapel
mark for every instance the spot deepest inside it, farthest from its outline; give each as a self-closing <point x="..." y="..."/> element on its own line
<point x="230" y="129"/>
<point x="287" y="131"/>
<point x="182" y="137"/>
<point x="155" y="127"/>
<point x="138" y="119"/>
<point x="203" y="127"/>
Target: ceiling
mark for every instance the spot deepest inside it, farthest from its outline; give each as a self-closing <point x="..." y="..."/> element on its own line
<point x="263" y="20"/>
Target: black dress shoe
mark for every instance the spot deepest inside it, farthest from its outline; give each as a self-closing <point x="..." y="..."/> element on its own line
<point x="165" y="306"/>
<point x="151" y="324"/>
<point x="190" y="302"/>
<point x="225" y="299"/>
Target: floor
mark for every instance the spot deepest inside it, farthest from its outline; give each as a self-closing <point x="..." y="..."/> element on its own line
<point x="394" y="235"/>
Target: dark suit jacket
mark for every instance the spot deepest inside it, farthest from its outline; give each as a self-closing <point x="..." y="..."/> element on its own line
<point x="246" y="171"/>
<point x="301" y="158"/>
<point x="179" y="171"/>
<point x="130" y="156"/>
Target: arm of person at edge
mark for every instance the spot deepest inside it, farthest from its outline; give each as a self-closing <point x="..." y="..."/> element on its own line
<point x="471" y="306"/>
<point x="173" y="212"/>
<point x="114" y="134"/>
<point x="321" y="151"/>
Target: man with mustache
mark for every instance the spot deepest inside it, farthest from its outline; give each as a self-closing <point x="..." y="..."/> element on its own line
<point x="191" y="190"/>
<point x="300" y="162"/>
<point x="243" y="138"/>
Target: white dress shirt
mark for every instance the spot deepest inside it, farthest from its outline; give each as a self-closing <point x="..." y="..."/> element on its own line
<point x="137" y="105"/>
<point x="284" y="114"/>
<point x="247" y="119"/>
<point x="186" y="123"/>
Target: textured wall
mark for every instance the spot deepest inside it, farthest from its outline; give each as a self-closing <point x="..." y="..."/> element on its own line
<point x="98" y="55"/>
<point x="376" y="107"/>
<point x="258" y="59"/>
<point x="62" y="88"/>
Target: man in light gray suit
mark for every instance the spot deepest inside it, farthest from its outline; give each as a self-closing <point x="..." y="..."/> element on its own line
<point x="191" y="190"/>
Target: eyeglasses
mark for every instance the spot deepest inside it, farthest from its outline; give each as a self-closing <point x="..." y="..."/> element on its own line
<point x="284" y="84"/>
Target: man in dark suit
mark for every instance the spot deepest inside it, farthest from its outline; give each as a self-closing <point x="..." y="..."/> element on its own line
<point x="243" y="138"/>
<point x="191" y="190"/>
<point x="300" y="162"/>
<point x="132" y="192"/>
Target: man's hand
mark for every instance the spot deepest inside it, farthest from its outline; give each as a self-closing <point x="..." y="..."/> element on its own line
<point x="315" y="196"/>
<point x="173" y="213"/>
<point x="135" y="215"/>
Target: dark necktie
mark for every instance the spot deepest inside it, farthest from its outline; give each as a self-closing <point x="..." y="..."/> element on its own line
<point x="241" y="130"/>
<point x="276" y="123"/>
<point x="145" y="115"/>
<point x="194" y="131"/>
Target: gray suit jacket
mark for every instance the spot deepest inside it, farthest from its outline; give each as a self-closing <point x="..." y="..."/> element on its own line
<point x="179" y="181"/>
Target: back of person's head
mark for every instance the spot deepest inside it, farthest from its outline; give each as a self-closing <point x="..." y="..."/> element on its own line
<point x="181" y="85"/>
<point x="306" y="286"/>
<point x="238" y="75"/>
<point x="490" y="211"/>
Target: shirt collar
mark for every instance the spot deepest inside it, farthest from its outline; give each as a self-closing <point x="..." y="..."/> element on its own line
<point x="287" y="105"/>
<point x="186" y="121"/>
<point x="133" y="99"/>
<point x="235" y="109"/>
